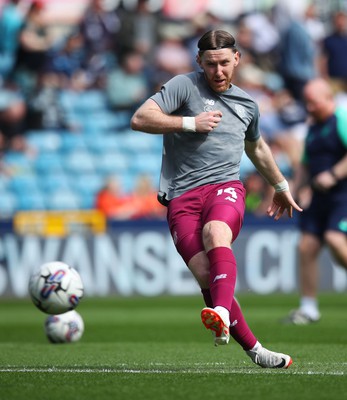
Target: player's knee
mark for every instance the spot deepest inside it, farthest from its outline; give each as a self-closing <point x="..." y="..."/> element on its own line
<point x="215" y="234"/>
<point x="334" y="239"/>
<point x="309" y="246"/>
<point x="302" y="248"/>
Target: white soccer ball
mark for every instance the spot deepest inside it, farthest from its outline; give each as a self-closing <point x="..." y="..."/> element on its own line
<point x="55" y="288"/>
<point x="64" y="328"/>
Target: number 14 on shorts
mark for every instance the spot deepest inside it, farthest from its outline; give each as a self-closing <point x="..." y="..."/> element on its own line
<point x="230" y="192"/>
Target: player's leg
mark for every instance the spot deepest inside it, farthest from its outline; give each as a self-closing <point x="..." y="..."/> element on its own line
<point x="337" y="243"/>
<point x="309" y="249"/>
<point x="312" y="223"/>
<point x="217" y="237"/>
<point x="335" y="235"/>
<point x="186" y="232"/>
<point x="186" y="216"/>
<point x="214" y="318"/>
<point x="222" y="218"/>
<point x="243" y="335"/>
<point x="185" y="222"/>
<point x="261" y="356"/>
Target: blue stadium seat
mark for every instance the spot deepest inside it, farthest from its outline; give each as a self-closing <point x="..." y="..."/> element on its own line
<point x="146" y="164"/>
<point x="49" y="162"/>
<point x="52" y="181"/>
<point x="23" y="184"/>
<point x="103" y="142"/>
<point x="34" y="200"/>
<point x="122" y="119"/>
<point x="44" y="141"/>
<point x="136" y="142"/>
<point x="72" y="142"/>
<point x="79" y="161"/>
<point x="87" y="202"/>
<point x="87" y="184"/>
<point x="4" y="182"/>
<point x="8" y="204"/>
<point x="63" y="200"/>
<point x="102" y="121"/>
<point x="112" y="163"/>
<point x="18" y="162"/>
<point x="88" y="101"/>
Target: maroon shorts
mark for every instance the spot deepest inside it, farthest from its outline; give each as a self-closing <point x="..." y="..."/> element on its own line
<point x="188" y="213"/>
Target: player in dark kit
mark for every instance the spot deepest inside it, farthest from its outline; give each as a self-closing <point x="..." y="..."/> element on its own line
<point x="324" y="168"/>
<point x="207" y="123"/>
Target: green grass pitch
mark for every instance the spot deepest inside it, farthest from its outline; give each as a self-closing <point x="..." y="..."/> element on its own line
<point x="157" y="348"/>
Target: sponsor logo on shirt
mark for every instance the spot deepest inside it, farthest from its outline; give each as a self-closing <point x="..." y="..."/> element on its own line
<point x="208" y="104"/>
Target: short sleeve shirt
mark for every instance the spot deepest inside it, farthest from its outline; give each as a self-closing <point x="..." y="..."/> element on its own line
<point x="326" y="145"/>
<point x="193" y="159"/>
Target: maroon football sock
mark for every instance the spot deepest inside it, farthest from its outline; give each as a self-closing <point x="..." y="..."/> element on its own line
<point x="207" y="297"/>
<point x="223" y="272"/>
<point x="239" y="328"/>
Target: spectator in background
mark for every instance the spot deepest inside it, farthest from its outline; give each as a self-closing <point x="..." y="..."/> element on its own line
<point x="180" y="10"/>
<point x="334" y="63"/>
<point x="112" y="202"/>
<point x="44" y="110"/>
<point x="282" y="117"/>
<point x="315" y="27"/>
<point x="171" y="56"/>
<point x="11" y="20"/>
<point x="297" y="56"/>
<point x="68" y="59"/>
<point x="141" y="203"/>
<point x="139" y="29"/>
<point x="324" y="220"/>
<point x="13" y="111"/>
<point x="99" y="28"/>
<point x="259" y="39"/>
<point x="144" y="200"/>
<point x="126" y="84"/>
<point x="35" y="40"/>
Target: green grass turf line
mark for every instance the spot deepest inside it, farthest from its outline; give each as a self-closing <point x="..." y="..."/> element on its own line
<point x="157" y="348"/>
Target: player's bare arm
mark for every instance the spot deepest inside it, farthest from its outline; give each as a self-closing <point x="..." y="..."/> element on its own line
<point x="261" y="156"/>
<point x="151" y="119"/>
<point x="328" y="179"/>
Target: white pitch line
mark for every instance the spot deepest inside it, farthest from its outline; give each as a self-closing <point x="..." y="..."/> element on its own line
<point x="158" y="371"/>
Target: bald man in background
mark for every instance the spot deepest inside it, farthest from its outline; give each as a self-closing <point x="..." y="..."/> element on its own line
<point x="324" y="168"/>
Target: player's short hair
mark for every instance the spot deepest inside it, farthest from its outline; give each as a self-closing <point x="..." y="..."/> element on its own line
<point x="216" y="40"/>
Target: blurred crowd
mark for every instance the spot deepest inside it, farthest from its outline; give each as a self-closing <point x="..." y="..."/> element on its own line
<point x="128" y="49"/>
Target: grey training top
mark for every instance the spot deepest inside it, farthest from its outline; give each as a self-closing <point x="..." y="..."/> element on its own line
<point x="194" y="159"/>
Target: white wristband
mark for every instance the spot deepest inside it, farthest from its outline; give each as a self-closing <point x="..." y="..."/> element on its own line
<point x="281" y="187"/>
<point x="189" y="124"/>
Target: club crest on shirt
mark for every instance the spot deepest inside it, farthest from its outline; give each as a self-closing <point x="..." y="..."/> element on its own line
<point x="240" y="110"/>
<point x="208" y="105"/>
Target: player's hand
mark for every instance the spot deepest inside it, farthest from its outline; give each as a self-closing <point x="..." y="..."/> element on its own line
<point x="281" y="202"/>
<point x="206" y="122"/>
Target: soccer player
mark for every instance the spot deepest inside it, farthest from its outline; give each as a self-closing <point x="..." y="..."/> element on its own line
<point x="324" y="168"/>
<point x="207" y="123"/>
